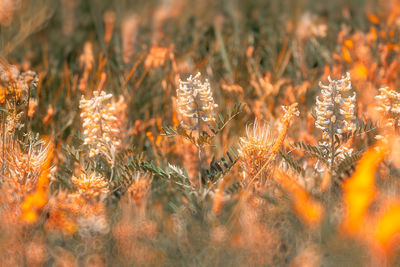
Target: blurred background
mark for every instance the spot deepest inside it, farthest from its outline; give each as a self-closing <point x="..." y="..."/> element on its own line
<point x="262" y="54"/>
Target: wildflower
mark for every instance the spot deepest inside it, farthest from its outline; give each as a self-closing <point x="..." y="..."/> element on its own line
<point x="90" y="186"/>
<point x="335" y="115"/>
<point x="335" y="111"/>
<point x="23" y="169"/>
<point x="389" y="106"/>
<point x="255" y="149"/>
<point x="258" y="149"/>
<point x="195" y="99"/>
<point x="100" y="125"/>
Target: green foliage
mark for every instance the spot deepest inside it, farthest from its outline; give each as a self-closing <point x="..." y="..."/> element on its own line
<point x="295" y="165"/>
<point x="364" y="131"/>
<point x="314" y="151"/>
<point x="362" y="128"/>
<point x="205" y="138"/>
<point x="218" y="169"/>
<point x="348" y="162"/>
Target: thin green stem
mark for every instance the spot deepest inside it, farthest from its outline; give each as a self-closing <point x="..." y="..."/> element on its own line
<point x="199" y="147"/>
<point x="4" y="140"/>
<point x="332" y="150"/>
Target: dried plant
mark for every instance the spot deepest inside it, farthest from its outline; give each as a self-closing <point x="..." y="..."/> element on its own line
<point x="91" y="186"/>
<point x="255" y="150"/>
<point x="23" y="165"/>
<point x="259" y="148"/>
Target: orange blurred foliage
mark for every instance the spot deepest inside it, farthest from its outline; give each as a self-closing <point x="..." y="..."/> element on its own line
<point x="309" y="210"/>
<point x="359" y="190"/>
<point x="35" y="201"/>
<point x="359" y="72"/>
<point x="387" y="227"/>
<point x="373" y="18"/>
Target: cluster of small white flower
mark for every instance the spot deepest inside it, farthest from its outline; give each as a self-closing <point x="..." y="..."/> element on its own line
<point x="390" y="106"/>
<point x="195" y="99"/>
<point x="335" y="114"/>
<point x="335" y="111"/>
<point x="99" y="124"/>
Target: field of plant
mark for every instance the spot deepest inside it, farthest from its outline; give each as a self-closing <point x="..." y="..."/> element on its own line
<point x="199" y="133"/>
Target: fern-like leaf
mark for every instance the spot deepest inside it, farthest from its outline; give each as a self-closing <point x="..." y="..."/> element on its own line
<point x="348" y="162"/>
<point x="314" y="151"/>
<point x="291" y="162"/>
<point x="218" y="169"/>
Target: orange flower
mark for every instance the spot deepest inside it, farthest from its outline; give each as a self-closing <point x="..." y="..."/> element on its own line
<point x="346" y="54"/>
<point x="373" y="18"/>
<point x="373" y="33"/>
<point x="349" y="44"/>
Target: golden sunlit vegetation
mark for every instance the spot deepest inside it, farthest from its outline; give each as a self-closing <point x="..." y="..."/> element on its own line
<point x="199" y="133"/>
